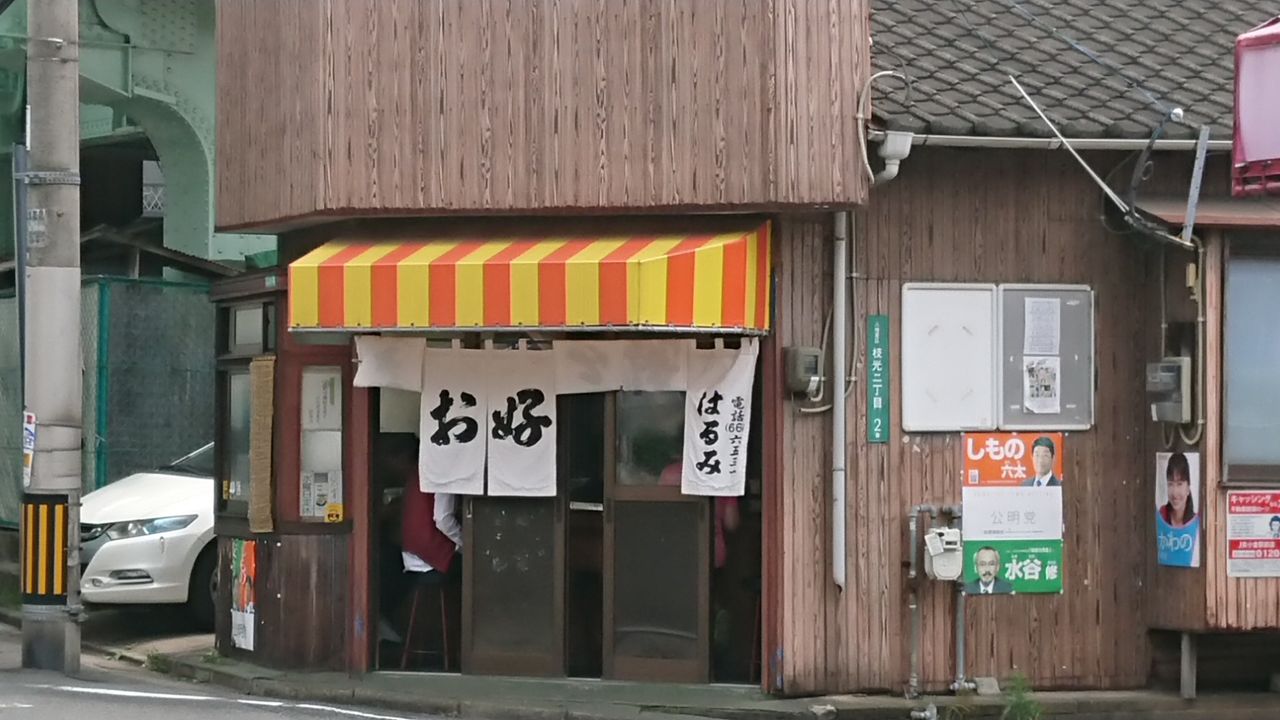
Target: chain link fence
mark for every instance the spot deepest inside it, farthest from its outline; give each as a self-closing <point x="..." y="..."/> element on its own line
<point x="148" y="349"/>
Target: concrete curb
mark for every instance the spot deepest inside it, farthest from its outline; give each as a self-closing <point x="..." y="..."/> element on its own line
<point x="13" y="618"/>
<point x="258" y="682"/>
<point x="1118" y="706"/>
<point x="382" y="699"/>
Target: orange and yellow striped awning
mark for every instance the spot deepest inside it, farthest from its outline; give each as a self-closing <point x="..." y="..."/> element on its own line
<point x="704" y="281"/>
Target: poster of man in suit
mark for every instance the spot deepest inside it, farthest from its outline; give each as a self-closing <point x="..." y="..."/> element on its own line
<point x="1012" y="487"/>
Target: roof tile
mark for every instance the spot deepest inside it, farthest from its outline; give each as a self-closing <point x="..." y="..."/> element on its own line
<point x="959" y="54"/>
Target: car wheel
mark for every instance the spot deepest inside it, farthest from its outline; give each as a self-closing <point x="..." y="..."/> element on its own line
<point x="202" y="593"/>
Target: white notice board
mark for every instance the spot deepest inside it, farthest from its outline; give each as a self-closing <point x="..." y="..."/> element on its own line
<point x="949" y="357"/>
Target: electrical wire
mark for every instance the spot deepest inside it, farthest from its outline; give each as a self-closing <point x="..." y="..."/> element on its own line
<point x="1134" y="83"/>
<point x="864" y="113"/>
<point x="850" y="377"/>
<point x="1017" y="8"/>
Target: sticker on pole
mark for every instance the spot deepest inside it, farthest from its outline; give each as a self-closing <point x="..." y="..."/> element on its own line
<point x="28" y="446"/>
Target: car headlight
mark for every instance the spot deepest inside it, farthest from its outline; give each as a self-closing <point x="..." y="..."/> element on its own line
<point x="139" y="528"/>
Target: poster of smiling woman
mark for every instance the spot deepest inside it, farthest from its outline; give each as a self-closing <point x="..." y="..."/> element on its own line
<point x="1178" y="509"/>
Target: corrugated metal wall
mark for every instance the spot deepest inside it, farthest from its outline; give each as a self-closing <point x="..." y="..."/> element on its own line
<point x="148" y="381"/>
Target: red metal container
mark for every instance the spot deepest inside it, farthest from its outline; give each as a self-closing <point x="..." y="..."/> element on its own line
<point x="1255" y="167"/>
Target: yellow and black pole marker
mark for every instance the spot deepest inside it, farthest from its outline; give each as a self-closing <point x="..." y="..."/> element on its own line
<point x="45" y="524"/>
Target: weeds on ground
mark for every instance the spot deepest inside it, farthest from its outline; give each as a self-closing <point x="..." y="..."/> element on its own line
<point x="10" y="596"/>
<point x="1018" y="702"/>
<point x="959" y="710"/>
<point x="212" y="658"/>
<point x="158" y="662"/>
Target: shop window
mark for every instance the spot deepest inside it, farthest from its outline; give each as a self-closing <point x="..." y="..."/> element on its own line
<point x="650" y="438"/>
<point x="236" y="433"/>
<point x="1251" y="355"/>
<point x="248" y="329"/>
<point x="321" y="483"/>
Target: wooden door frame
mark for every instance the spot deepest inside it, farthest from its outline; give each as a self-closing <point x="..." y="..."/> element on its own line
<point x="363" y="645"/>
<point x="697" y="670"/>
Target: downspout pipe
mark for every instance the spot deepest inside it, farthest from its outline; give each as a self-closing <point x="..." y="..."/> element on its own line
<point x="839" y="415"/>
<point x="913" y="582"/>
<point x="962" y="682"/>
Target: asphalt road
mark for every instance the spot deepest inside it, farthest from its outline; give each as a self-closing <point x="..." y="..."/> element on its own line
<point x="112" y="690"/>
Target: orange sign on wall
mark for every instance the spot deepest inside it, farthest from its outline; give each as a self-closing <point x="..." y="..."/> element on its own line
<point x="1012" y="459"/>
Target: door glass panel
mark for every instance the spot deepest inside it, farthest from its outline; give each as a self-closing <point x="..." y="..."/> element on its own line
<point x="239" y="400"/>
<point x="650" y="437"/>
<point x="657" y="580"/>
<point x="514" y="569"/>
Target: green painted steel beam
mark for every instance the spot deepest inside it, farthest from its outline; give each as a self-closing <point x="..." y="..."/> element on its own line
<point x="150" y="62"/>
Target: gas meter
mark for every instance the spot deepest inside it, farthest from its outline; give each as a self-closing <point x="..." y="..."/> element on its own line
<point x="943" y="556"/>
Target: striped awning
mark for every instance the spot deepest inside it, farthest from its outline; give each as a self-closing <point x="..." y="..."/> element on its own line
<point x="706" y="282"/>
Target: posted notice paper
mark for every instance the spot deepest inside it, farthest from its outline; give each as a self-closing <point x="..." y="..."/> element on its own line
<point x="1042" y="385"/>
<point x="1042" y="323"/>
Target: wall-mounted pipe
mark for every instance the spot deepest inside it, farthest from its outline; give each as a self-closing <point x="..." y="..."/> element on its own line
<point x="1051" y="143"/>
<point x="839" y="415"/>
<point x="913" y="604"/>
<point x="961" y="683"/>
<point x="894" y="148"/>
<point x="1197" y="432"/>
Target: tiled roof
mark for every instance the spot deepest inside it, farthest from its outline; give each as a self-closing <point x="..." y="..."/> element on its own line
<point x="958" y="55"/>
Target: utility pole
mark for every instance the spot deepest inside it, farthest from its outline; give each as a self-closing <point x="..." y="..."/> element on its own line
<point x="51" y="493"/>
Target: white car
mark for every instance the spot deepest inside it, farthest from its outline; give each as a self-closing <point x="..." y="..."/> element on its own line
<point x="148" y="539"/>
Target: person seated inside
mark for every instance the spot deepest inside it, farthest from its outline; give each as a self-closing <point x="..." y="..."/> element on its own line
<point x="430" y="537"/>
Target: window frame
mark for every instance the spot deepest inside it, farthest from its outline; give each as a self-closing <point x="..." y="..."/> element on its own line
<point x="295" y="356"/>
<point x="226" y="506"/>
<point x="1241" y="475"/>
<point x="231" y="516"/>
<point x="292" y="513"/>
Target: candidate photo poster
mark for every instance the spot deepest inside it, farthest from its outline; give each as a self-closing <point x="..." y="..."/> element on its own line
<point x="1011" y="488"/>
<point x="1178" y="509"/>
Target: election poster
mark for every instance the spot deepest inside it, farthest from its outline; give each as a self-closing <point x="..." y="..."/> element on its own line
<point x="1009" y="567"/>
<point x="1253" y="533"/>
<point x="244" y="572"/>
<point x="1013" y="519"/>
<point x="1178" y="509"/>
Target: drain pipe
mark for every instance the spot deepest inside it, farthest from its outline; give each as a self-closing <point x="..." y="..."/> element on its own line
<point x="1193" y="437"/>
<point x="927" y="713"/>
<point x="840" y="406"/>
<point x="961" y="684"/>
<point x="913" y="602"/>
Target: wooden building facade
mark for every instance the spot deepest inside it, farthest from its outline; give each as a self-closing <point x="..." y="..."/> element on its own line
<point x="402" y="118"/>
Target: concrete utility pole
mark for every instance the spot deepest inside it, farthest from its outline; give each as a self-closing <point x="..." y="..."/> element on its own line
<point x="51" y="498"/>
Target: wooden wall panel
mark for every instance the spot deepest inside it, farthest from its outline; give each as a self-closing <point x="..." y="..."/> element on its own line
<point x="1234" y="604"/>
<point x="1179" y="596"/>
<point x="303" y="596"/>
<point x="806" y="595"/>
<point x="354" y="108"/>
<point x="968" y="216"/>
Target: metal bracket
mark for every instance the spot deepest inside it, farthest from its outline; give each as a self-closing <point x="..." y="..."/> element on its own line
<point x="49" y="177"/>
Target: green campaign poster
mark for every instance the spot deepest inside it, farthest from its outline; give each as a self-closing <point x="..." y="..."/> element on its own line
<point x="1004" y="567"/>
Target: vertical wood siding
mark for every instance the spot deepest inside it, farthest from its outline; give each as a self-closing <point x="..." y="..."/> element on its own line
<point x="1233" y="604"/>
<point x="354" y="107"/>
<point x="966" y="216"/>
<point x="301" y="600"/>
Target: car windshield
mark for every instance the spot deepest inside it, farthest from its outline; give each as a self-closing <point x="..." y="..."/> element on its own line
<point x="199" y="463"/>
